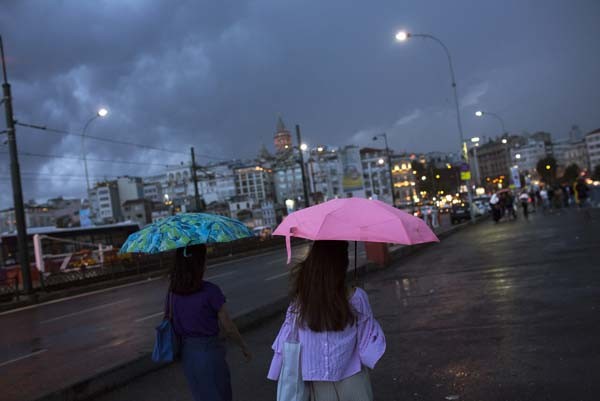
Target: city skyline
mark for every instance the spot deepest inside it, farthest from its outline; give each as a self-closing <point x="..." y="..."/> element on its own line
<point x="219" y="82"/>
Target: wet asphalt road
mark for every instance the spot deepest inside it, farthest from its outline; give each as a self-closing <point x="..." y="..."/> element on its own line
<point x="48" y="346"/>
<point x="495" y="312"/>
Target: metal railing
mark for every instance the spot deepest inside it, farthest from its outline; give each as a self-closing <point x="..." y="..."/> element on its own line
<point x="133" y="265"/>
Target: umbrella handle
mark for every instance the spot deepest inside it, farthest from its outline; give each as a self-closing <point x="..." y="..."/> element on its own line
<point x="288" y="247"/>
<point x="288" y="243"/>
<point x="355" y="261"/>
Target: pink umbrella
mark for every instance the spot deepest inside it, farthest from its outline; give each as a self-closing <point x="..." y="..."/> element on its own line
<point x="355" y="219"/>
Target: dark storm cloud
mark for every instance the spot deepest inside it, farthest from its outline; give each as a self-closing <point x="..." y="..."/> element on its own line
<point x="215" y="74"/>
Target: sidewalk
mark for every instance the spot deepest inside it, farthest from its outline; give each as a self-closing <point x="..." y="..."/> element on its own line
<point x="494" y="312"/>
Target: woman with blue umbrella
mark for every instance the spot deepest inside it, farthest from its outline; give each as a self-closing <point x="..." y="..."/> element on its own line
<point x="195" y="308"/>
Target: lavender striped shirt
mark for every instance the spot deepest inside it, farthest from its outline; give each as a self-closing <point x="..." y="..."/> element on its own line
<point x="334" y="355"/>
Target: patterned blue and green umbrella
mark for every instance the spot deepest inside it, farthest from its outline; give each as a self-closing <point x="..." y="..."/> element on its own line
<point x="185" y="229"/>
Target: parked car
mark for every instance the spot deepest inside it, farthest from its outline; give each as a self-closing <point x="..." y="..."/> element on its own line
<point x="460" y="212"/>
<point x="483" y="204"/>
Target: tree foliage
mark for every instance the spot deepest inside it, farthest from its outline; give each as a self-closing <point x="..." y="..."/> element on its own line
<point x="546" y="168"/>
<point x="571" y="173"/>
<point x="596" y="173"/>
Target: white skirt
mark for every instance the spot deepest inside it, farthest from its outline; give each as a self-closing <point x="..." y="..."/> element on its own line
<point x="353" y="388"/>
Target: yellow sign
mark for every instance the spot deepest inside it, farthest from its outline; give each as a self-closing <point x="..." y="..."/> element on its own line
<point x="465" y="175"/>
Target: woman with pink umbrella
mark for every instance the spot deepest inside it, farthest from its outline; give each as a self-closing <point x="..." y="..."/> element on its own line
<point x="330" y="338"/>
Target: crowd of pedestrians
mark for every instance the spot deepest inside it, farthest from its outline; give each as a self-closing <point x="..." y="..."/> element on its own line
<point x="545" y="198"/>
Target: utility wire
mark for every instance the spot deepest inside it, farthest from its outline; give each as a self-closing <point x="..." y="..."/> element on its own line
<point x="67" y="175"/>
<point x="29" y="154"/>
<point x="115" y="141"/>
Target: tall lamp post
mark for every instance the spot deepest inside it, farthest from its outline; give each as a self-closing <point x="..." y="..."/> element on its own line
<point x="481" y="113"/>
<point x="475" y="142"/>
<point x="302" y="148"/>
<point x="100" y="113"/>
<point x="402" y="36"/>
<point x="15" y="178"/>
<point x="389" y="161"/>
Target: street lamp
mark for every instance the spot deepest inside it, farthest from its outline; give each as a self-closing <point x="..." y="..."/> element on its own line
<point x="403" y="36"/>
<point x="389" y="160"/>
<point x="100" y="113"/>
<point x="381" y="161"/>
<point x="302" y="146"/>
<point x="481" y="113"/>
<point x="475" y="141"/>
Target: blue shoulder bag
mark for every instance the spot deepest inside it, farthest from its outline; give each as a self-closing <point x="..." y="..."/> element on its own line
<point x="166" y="343"/>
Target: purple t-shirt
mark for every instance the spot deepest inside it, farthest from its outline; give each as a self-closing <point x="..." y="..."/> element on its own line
<point x="195" y="315"/>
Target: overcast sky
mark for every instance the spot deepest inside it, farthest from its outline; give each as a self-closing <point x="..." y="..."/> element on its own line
<point x="215" y="75"/>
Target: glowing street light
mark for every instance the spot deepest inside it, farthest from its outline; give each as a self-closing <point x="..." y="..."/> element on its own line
<point x="548" y="167"/>
<point x="101" y="113"/>
<point x="401" y="36"/>
<point x="303" y="147"/>
<point x="381" y="161"/>
<point x="504" y="141"/>
<point x="518" y="156"/>
<point x="481" y="113"/>
<point x="423" y="178"/>
<point x="320" y="149"/>
<point x="475" y="139"/>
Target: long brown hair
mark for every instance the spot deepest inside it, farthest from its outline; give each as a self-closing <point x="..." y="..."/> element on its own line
<point x="319" y="288"/>
<point x="188" y="272"/>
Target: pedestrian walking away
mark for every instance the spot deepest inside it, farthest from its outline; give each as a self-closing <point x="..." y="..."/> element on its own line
<point x="524" y="198"/>
<point x="496" y="208"/>
<point x="340" y="339"/>
<point x="509" y="204"/>
<point x="545" y="199"/>
<point x="198" y="307"/>
<point x="582" y="193"/>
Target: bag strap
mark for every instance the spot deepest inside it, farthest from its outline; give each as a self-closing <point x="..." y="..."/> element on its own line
<point x="293" y="336"/>
<point x="170" y="310"/>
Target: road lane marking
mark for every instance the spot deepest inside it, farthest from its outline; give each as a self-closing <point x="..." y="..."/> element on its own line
<point x="149" y="317"/>
<point x="81" y="312"/>
<point x="23" y="357"/>
<point x="268" y="253"/>
<point x="277" y="276"/>
<point x="220" y="275"/>
<point x="280" y="261"/>
<point x="87" y="294"/>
